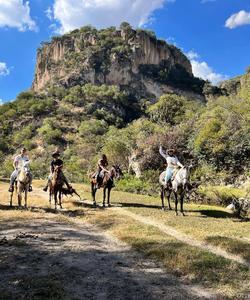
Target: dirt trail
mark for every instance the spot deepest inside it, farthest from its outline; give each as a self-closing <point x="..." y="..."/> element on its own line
<point x="47" y="259"/>
<point x="182" y="236"/>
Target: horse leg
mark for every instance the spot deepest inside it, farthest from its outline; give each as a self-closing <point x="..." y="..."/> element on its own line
<point x="162" y="197"/>
<point x="93" y="192"/>
<point x="104" y="196"/>
<point x="50" y="195"/>
<point x="19" y="195"/>
<point x="11" y="198"/>
<point x="60" y="198"/>
<point x="182" y="200"/>
<point x="169" y="194"/>
<point x="109" y="191"/>
<point x="176" y="203"/>
<point x="55" y="198"/>
<point x="25" y="196"/>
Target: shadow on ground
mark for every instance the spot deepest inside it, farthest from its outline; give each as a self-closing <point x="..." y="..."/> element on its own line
<point x="58" y="261"/>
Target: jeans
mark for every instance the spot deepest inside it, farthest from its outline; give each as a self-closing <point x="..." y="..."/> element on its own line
<point x="169" y="174"/>
<point x="14" y="175"/>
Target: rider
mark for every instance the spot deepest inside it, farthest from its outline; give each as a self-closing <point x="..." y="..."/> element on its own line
<point x="19" y="161"/>
<point x="101" y="170"/>
<point x="172" y="164"/>
<point x="56" y="162"/>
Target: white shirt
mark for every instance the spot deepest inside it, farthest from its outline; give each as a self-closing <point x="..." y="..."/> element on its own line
<point x="20" y="160"/>
<point x="172" y="161"/>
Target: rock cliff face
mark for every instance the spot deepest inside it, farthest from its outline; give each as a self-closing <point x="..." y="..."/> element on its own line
<point x="133" y="59"/>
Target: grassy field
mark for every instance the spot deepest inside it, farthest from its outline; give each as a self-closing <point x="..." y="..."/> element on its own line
<point x="210" y="224"/>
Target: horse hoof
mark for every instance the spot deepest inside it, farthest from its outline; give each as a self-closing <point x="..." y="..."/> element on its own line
<point x="176" y="214"/>
<point x="109" y="205"/>
<point x="163" y="208"/>
<point x="103" y="206"/>
<point x="183" y="214"/>
<point x="94" y="205"/>
<point x="170" y="208"/>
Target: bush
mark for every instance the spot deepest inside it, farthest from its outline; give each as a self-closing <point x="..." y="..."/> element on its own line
<point x="219" y="195"/>
<point x="131" y="184"/>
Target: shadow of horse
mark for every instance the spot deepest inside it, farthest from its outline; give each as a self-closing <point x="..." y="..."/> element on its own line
<point x="68" y="212"/>
<point x="214" y="213"/>
<point x="139" y="205"/>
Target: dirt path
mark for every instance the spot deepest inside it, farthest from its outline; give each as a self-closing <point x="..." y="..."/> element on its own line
<point x="183" y="237"/>
<point x="47" y="259"/>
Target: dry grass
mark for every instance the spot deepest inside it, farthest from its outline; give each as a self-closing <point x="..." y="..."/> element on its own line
<point x="207" y="223"/>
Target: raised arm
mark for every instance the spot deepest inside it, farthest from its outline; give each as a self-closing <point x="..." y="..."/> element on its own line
<point x="162" y="153"/>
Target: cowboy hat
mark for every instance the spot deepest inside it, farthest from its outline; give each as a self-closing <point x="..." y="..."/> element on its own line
<point x="56" y="153"/>
<point x="171" y="150"/>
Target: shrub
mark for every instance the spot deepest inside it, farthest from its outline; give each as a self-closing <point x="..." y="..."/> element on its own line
<point x="220" y="195"/>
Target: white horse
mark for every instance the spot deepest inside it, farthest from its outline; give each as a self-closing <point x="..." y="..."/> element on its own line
<point x="180" y="186"/>
<point x="23" y="182"/>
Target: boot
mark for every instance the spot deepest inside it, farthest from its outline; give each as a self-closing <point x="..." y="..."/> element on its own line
<point x="30" y="188"/>
<point x="45" y="188"/>
<point x="11" y="188"/>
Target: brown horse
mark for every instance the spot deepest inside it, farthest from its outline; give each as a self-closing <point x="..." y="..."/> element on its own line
<point x="23" y="183"/>
<point x="107" y="184"/>
<point x="56" y="185"/>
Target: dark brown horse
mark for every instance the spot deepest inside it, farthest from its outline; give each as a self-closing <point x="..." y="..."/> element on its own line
<point x="107" y="184"/>
<point x="56" y="185"/>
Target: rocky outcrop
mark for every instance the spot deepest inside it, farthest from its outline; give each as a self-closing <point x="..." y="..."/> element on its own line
<point x="132" y="59"/>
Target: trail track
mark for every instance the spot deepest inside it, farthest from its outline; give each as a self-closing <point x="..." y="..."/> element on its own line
<point x="48" y="258"/>
<point x="78" y="262"/>
<point x="183" y="237"/>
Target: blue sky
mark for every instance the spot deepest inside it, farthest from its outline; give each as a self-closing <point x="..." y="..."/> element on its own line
<point x="213" y="33"/>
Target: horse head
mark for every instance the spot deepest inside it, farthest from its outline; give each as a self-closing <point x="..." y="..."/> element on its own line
<point x="116" y="172"/>
<point x="185" y="180"/>
<point x="24" y="174"/>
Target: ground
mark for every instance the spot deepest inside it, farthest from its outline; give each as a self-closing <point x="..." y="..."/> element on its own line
<point x="131" y="251"/>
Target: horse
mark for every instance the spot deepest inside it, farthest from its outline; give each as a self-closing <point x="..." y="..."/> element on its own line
<point x="107" y="184"/>
<point x="56" y="185"/>
<point x="23" y="183"/>
<point x="180" y="185"/>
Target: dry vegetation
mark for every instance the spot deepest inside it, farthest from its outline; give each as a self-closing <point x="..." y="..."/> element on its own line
<point x="210" y="224"/>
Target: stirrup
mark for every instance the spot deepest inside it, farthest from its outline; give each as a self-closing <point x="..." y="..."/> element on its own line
<point x="30" y="188"/>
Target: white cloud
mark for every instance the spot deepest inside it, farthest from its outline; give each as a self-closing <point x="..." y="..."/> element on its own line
<point x="73" y="14"/>
<point x="49" y="13"/>
<point x="202" y="70"/>
<point x="1" y="102"/>
<point x="238" y="19"/>
<point x="16" y="14"/>
<point x="4" y="70"/>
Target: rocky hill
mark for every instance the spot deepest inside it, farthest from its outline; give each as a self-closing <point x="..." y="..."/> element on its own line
<point x="238" y="85"/>
<point x="134" y="60"/>
<point x="123" y="92"/>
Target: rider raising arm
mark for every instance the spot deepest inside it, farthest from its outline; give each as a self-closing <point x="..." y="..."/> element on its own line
<point x="172" y="163"/>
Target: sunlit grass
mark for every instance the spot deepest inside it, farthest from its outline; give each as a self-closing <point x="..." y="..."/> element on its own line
<point x="211" y="224"/>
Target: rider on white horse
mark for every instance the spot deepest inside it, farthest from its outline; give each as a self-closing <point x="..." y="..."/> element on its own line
<point x="172" y="163"/>
<point x="19" y="161"/>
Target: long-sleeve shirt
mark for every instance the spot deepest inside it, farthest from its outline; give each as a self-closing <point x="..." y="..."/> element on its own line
<point x="172" y="161"/>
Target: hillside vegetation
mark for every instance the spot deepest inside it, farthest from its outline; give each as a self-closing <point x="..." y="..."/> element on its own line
<point x="85" y="120"/>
